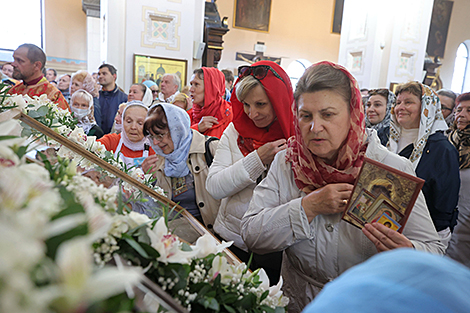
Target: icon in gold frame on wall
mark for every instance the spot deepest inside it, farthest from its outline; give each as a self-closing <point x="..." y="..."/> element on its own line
<point x="153" y="68"/>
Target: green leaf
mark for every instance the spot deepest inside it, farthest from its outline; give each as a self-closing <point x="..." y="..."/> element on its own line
<point x="33" y="114"/>
<point x="8" y="137"/>
<point x="229" y="309"/>
<point x="212" y="303"/>
<point x="134" y="244"/>
<point x="54" y="242"/>
<point x="42" y="110"/>
<point x="21" y="151"/>
<point x="264" y="295"/>
<point x="186" y="247"/>
<point x="280" y="309"/>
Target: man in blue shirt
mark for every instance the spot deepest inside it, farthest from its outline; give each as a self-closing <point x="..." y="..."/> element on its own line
<point x="111" y="96"/>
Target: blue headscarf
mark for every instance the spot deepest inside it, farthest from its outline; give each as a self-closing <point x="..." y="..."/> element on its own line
<point x="181" y="135"/>
<point x="401" y="280"/>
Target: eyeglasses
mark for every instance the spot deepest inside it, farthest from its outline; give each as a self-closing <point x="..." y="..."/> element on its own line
<point x="157" y="137"/>
<point x="154" y="91"/>
<point x="259" y="72"/>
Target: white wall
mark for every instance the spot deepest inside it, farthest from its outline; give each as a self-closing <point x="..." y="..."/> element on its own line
<point x="385" y="43"/>
<point x="459" y="31"/>
<point x="299" y="29"/>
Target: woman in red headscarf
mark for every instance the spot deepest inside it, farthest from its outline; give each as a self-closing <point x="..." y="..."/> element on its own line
<point x="262" y="123"/>
<point x="211" y="113"/>
<point x="297" y="208"/>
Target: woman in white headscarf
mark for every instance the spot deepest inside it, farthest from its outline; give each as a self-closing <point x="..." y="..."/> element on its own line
<point x="130" y="144"/>
<point x="416" y="132"/>
<point x="81" y="105"/>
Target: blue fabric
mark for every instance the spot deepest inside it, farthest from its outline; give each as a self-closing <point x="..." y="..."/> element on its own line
<point x="97" y="111"/>
<point x="439" y="167"/>
<point x="401" y="280"/>
<point x="109" y="103"/>
<point x="149" y="83"/>
<point x="181" y="135"/>
<point x="187" y="199"/>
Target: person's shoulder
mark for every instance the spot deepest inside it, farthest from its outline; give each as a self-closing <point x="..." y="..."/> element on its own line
<point x="441" y="142"/>
<point x="110" y="139"/>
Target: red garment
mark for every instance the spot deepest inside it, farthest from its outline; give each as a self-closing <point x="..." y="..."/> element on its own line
<point x="111" y="141"/>
<point x="190" y="113"/>
<point x="41" y="87"/>
<point x="281" y="96"/>
<point x="214" y="104"/>
<point x="310" y="172"/>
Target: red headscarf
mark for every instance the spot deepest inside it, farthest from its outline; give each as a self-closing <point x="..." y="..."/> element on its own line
<point x="281" y="96"/>
<point x="214" y="104"/>
<point x="309" y="171"/>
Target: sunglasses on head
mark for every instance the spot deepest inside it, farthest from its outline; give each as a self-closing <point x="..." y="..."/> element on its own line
<point x="259" y="72"/>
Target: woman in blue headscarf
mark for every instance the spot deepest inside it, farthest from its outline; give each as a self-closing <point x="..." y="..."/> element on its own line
<point x="180" y="164"/>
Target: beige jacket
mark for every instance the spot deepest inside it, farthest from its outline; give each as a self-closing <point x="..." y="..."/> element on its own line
<point x="198" y="167"/>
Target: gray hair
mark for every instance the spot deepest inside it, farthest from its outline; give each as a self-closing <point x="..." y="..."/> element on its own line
<point x="176" y="80"/>
<point x="449" y="94"/>
<point x="81" y="93"/>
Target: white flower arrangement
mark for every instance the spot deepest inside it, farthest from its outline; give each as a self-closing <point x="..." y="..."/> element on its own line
<point x="72" y="274"/>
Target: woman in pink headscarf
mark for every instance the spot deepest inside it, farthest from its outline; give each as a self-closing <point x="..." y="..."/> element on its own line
<point x="297" y="208"/>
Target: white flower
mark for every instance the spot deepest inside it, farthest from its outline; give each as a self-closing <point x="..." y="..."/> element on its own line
<point x="221" y="267"/>
<point x="136" y="219"/>
<point x="11" y="128"/>
<point x="207" y="244"/>
<point x="80" y="284"/>
<point x="167" y="245"/>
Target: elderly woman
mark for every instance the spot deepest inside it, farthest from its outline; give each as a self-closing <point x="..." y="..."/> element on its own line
<point x="181" y="169"/>
<point x="262" y="122"/>
<point x="459" y="246"/>
<point x="81" y="105"/>
<point x="211" y="113"/>
<point x="130" y="144"/>
<point x="378" y="106"/>
<point x="140" y="92"/>
<point x="297" y="208"/>
<point x="83" y="80"/>
<point x="416" y="133"/>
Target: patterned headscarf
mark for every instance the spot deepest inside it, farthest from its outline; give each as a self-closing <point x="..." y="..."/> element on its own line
<point x="431" y="121"/>
<point x="182" y="136"/>
<point x="386" y="121"/>
<point x="461" y="140"/>
<point x="312" y="173"/>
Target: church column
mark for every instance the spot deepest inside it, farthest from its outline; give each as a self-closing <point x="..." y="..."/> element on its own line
<point x="92" y="10"/>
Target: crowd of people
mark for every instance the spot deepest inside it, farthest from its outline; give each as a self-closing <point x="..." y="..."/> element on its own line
<point x="271" y="167"/>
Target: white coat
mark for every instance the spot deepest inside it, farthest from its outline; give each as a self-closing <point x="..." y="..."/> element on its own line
<point x="232" y="178"/>
<point x="318" y="252"/>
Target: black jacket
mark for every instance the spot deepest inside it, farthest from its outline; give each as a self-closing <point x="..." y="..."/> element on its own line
<point x="439" y="167"/>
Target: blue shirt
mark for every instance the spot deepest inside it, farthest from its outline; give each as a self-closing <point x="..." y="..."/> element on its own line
<point x="109" y="103"/>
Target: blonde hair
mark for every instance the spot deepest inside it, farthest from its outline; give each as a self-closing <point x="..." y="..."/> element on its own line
<point x="89" y="84"/>
<point x="183" y="98"/>
<point x="244" y="86"/>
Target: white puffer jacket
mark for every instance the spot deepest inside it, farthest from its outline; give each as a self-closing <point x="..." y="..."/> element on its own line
<point x="318" y="252"/>
<point x="232" y="178"/>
